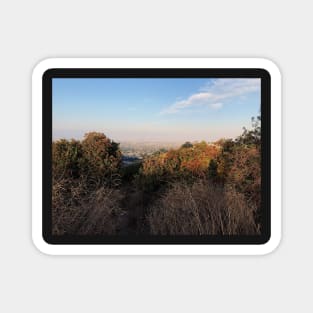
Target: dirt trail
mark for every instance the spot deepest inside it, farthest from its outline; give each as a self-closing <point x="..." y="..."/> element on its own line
<point x="134" y="203"/>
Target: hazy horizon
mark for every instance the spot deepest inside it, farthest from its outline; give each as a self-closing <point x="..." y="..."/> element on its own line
<point x="154" y="110"/>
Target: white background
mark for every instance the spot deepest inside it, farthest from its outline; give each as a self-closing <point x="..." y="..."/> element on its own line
<point x="33" y="30"/>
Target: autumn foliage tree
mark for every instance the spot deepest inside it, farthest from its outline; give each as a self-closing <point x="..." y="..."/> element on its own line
<point x="188" y="162"/>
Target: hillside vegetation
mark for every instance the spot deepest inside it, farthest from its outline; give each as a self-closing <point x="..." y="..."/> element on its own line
<point x="198" y="189"/>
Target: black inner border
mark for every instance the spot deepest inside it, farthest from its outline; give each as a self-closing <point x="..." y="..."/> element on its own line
<point x="157" y="73"/>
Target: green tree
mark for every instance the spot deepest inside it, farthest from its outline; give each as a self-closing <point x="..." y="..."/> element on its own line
<point x="101" y="158"/>
<point x="66" y="158"/>
<point x="96" y="159"/>
<point x="253" y="136"/>
<point x="212" y="170"/>
<point x="187" y="144"/>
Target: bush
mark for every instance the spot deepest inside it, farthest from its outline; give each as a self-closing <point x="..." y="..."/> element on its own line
<point x="96" y="160"/>
<point x="84" y="175"/>
<point x="245" y="173"/>
<point x="130" y="171"/>
<point x="66" y="159"/>
<point x="101" y="159"/>
<point x="239" y="163"/>
<point x="202" y="209"/>
<point x="78" y="211"/>
<point x="212" y="170"/>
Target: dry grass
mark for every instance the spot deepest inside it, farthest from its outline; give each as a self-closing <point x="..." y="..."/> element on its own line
<point x="202" y="209"/>
<point x="77" y="211"/>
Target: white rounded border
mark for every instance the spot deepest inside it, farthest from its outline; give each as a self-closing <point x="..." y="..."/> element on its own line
<point x="276" y="125"/>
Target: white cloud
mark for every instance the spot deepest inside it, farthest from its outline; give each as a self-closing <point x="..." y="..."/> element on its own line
<point x="214" y="93"/>
<point x="216" y="106"/>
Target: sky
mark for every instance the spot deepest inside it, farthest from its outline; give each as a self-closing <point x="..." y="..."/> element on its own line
<point x="154" y="109"/>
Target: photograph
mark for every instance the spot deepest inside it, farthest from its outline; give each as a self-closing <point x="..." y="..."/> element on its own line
<point x="156" y="156"/>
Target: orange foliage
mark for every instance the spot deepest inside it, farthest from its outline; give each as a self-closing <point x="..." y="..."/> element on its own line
<point x="183" y="162"/>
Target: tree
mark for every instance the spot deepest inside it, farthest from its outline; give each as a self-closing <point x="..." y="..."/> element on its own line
<point x="187" y="144"/>
<point x="253" y="136"/>
<point x="212" y="170"/>
<point x="66" y="158"/>
<point x="96" y="159"/>
<point x="102" y="158"/>
<point x="245" y="173"/>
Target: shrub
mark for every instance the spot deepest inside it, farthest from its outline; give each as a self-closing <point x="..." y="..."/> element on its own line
<point x="201" y="209"/>
<point x="130" y="171"/>
<point x="245" y="173"/>
<point x="101" y="159"/>
<point x="212" y="170"/>
<point x="78" y="211"/>
<point x="83" y="177"/>
<point x="66" y="158"/>
<point x="96" y="160"/>
<point x="104" y="213"/>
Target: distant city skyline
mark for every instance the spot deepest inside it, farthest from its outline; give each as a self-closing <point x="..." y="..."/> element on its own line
<point x="154" y="109"/>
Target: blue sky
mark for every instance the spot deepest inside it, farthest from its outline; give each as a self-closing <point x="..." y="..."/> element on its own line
<point x="150" y="109"/>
